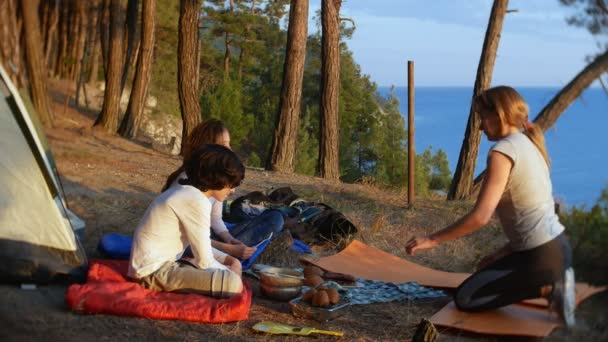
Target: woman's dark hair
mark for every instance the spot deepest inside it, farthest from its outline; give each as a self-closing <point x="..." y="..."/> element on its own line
<point x="207" y="132"/>
<point x="213" y="167"/>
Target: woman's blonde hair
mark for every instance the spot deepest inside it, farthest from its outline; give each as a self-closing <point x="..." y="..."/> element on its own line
<point x="207" y="132"/>
<point x="511" y="109"/>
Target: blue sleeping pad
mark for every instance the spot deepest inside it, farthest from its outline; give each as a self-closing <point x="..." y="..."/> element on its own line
<point x="115" y="246"/>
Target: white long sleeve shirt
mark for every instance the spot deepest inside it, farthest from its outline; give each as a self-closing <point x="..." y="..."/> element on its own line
<point x="177" y="218"/>
<point x="217" y="223"/>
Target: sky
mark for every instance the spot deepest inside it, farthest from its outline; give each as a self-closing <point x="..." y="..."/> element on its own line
<point x="444" y="39"/>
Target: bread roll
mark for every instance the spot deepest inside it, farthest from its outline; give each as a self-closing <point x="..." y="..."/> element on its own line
<point x="321" y="299"/>
<point x="334" y="296"/>
<point x="307" y="297"/>
<point x="312" y="270"/>
<point x="313" y="281"/>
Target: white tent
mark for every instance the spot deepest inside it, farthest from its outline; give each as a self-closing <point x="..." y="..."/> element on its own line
<point x="37" y="232"/>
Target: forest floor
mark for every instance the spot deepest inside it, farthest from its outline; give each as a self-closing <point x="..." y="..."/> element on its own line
<point x="109" y="182"/>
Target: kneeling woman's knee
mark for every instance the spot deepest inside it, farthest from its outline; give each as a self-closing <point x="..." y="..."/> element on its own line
<point x="463" y="299"/>
<point x="232" y="284"/>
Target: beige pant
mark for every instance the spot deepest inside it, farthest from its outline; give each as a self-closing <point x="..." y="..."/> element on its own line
<point x="185" y="278"/>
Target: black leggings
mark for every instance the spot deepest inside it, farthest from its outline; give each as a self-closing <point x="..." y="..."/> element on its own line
<point x="516" y="277"/>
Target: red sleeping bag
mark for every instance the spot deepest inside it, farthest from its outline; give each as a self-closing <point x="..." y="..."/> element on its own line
<point x="108" y="291"/>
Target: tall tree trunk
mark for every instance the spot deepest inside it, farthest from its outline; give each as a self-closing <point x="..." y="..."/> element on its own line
<point x="35" y="65"/>
<point x="563" y="99"/>
<point x="283" y="150"/>
<point x="131" y="25"/>
<point x="329" y="163"/>
<point x="94" y="43"/>
<point x="93" y="75"/>
<point x="130" y="123"/>
<point x="80" y="46"/>
<point x="10" y="48"/>
<point x="462" y="184"/>
<point x="108" y="118"/>
<point x="61" y="56"/>
<point x="188" y="65"/>
<point x="50" y="43"/>
<point x="227" y="43"/>
<point x="104" y="36"/>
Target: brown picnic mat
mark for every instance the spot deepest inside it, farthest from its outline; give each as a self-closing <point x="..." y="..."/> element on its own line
<point x="367" y="262"/>
<point x="513" y="320"/>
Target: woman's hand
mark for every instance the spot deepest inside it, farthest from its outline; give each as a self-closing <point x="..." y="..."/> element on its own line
<point x="242" y="252"/>
<point x="417" y="243"/>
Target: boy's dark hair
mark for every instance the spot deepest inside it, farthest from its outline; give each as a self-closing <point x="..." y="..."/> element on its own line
<point x="213" y="167"/>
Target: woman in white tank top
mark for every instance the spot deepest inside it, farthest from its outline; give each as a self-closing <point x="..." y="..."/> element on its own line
<point x="536" y="262"/>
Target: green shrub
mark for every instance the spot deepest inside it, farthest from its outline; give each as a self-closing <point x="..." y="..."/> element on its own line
<point x="588" y="233"/>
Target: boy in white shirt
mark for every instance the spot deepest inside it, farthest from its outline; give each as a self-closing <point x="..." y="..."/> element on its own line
<point x="180" y="217"/>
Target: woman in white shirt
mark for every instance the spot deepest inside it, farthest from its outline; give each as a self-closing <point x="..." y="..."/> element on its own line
<point x="181" y="217"/>
<point x="537" y="260"/>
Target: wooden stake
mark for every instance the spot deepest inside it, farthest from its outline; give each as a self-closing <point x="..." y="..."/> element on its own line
<point x="411" y="151"/>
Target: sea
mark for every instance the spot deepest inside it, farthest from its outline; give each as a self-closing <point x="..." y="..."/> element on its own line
<point x="577" y="143"/>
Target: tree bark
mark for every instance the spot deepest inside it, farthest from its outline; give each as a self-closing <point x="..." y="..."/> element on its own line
<point x="35" y="65"/>
<point x="131" y="26"/>
<point x="188" y="66"/>
<point x="51" y="34"/>
<point x="104" y="36"/>
<point x="283" y="150"/>
<point x="563" y="99"/>
<point x="462" y="184"/>
<point x="329" y="163"/>
<point x="132" y="119"/>
<point x="108" y="118"/>
<point x="94" y="43"/>
<point x="10" y="48"/>
<point x="79" y="53"/>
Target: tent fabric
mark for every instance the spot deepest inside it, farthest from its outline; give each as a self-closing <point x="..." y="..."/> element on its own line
<point x="367" y="262"/>
<point x="108" y="291"/>
<point x="37" y="241"/>
<point x="29" y="213"/>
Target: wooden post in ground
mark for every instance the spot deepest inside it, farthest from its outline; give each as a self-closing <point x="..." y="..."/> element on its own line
<point x="411" y="151"/>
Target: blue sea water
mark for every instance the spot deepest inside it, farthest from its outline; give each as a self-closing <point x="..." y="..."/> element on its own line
<point x="577" y="143"/>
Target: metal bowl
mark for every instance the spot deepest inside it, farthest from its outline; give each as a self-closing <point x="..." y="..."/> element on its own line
<point x="280" y="293"/>
<point x="281" y="277"/>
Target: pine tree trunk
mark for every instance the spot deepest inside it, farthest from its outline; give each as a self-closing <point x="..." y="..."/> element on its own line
<point x="10" y="46"/>
<point x="562" y="100"/>
<point x="79" y="50"/>
<point x="104" y="36"/>
<point x="50" y="43"/>
<point x="188" y="66"/>
<point x="132" y="119"/>
<point x="94" y="43"/>
<point x="329" y="163"/>
<point x="35" y="65"/>
<point x="131" y="25"/>
<point x="61" y="57"/>
<point x="108" y="118"/>
<point x="227" y="43"/>
<point x="462" y="184"/>
<point x="283" y="150"/>
<point x="93" y="75"/>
